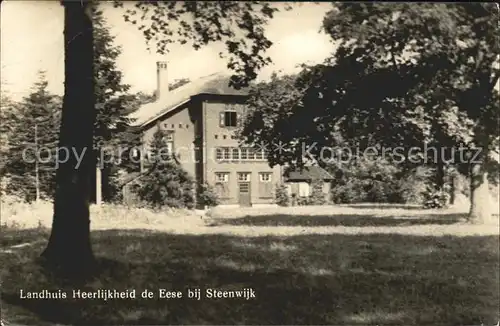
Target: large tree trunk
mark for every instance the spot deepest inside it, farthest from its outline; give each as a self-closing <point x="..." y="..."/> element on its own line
<point x="69" y="245"/>
<point x="480" y="199"/>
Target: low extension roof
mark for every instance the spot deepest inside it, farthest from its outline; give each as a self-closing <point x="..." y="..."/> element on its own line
<point x="217" y="83"/>
<point x="309" y="173"/>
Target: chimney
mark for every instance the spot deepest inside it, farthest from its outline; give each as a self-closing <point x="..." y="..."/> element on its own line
<point x="161" y="79"/>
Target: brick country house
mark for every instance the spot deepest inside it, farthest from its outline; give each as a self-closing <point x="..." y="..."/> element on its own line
<point x="201" y="119"/>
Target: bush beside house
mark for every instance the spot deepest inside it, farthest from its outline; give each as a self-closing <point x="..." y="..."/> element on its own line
<point x="282" y="198"/>
<point x="207" y="196"/>
<point x="165" y="183"/>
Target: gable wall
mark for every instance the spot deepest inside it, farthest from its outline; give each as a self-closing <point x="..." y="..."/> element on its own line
<point x="182" y="123"/>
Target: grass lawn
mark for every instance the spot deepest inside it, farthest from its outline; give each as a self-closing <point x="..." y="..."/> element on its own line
<point x="300" y="277"/>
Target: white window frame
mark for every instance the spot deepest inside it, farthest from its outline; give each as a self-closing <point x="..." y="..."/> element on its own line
<point x="222" y="177"/>
<point x="265" y="177"/>
<point x="259" y="154"/>
<point x="226" y="153"/>
<point x="235" y="153"/>
<point x="219" y="154"/>
<point x="246" y="176"/>
<point x="170" y="147"/>
<point x="243" y="152"/>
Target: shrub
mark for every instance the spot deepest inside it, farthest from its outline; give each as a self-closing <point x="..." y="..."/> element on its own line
<point x="347" y="193"/>
<point x="317" y="195"/>
<point x="365" y="180"/>
<point x="207" y="195"/>
<point x="436" y="198"/>
<point x="304" y="201"/>
<point x="167" y="187"/>
<point x="412" y="185"/>
<point x="165" y="183"/>
<point x="282" y="198"/>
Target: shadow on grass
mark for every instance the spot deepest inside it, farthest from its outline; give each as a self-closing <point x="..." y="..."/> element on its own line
<point x="352" y="220"/>
<point x="310" y="279"/>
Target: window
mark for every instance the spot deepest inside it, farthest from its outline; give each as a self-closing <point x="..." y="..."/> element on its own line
<point x="236" y="154"/>
<point x="244" y="177"/>
<point x="228" y="119"/>
<point x="170" y="147"/>
<point x="180" y="125"/>
<point x="251" y="153"/>
<point x="218" y="154"/>
<point x="221" y="177"/>
<point x="173" y="126"/>
<point x="226" y="153"/>
<point x="265" y="177"/>
<point x="169" y="140"/>
<point x="258" y="154"/>
<point x="169" y="136"/>
<point x="222" y="184"/>
<point x="265" y="185"/>
<point x="223" y="136"/>
<point x="216" y="136"/>
<point x="244" y="154"/>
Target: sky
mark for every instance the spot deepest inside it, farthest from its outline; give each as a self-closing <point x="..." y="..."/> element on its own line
<point x="32" y="40"/>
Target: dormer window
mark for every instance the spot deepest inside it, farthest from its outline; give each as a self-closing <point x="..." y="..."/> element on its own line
<point x="228" y="119"/>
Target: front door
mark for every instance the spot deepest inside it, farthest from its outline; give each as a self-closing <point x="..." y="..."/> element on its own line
<point x="244" y="193"/>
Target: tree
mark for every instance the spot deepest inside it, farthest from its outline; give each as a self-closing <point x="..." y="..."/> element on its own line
<point x="113" y="104"/>
<point x="396" y="67"/>
<point x="240" y="25"/>
<point x="8" y="115"/>
<point x="318" y="197"/>
<point x="9" y="111"/>
<point x="69" y="246"/>
<point x="165" y="184"/>
<point x="460" y="41"/>
<point x="33" y="134"/>
<point x="207" y="196"/>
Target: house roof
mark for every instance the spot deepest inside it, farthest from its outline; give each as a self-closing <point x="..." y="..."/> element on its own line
<point x="217" y="83"/>
<point x="308" y="173"/>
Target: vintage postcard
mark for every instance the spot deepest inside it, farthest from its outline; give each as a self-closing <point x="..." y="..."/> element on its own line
<point x="257" y="163"/>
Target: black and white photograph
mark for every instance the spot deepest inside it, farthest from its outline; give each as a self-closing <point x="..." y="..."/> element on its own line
<point x="249" y="163"/>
